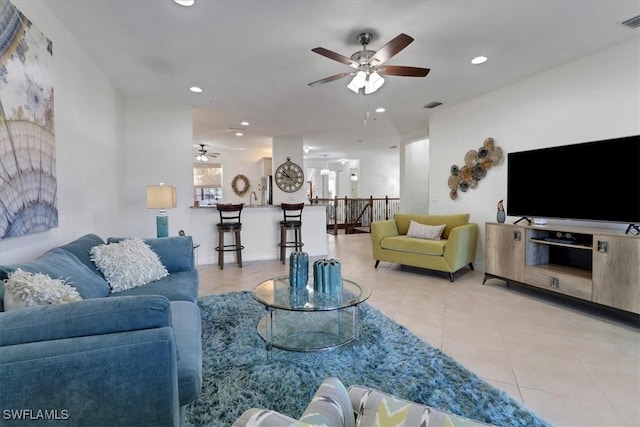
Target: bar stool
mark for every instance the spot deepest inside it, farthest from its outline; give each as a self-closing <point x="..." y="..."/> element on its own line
<point x="292" y="221"/>
<point x="229" y="223"/>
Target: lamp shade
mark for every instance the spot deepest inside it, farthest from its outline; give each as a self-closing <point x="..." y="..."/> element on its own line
<point x="374" y="82"/>
<point x="161" y="197"/>
<point x="358" y="82"/>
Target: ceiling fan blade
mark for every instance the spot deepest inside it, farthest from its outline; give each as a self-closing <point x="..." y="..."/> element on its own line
<point x="399" y="70"/>
<point x="336" y="57"/>
<point x="390" y="49"/>
<point x="330" y="79"/>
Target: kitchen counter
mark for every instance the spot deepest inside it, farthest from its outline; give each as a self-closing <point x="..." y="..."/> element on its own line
<point x="260" y="232"/>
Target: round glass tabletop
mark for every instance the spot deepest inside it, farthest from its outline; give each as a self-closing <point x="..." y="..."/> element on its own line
<point x="278" y="294"/>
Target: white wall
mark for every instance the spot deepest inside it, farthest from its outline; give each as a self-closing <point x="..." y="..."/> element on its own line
<point x="414" y="194"/>
<point x="88" y="132"/>
<point x="379" y="175"/>
<point x="595" y="97"/>
<point x="157" y="139"/>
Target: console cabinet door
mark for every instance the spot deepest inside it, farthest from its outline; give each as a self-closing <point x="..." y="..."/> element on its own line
<point x="616" y="271"/>
<point x="504" y="251"/>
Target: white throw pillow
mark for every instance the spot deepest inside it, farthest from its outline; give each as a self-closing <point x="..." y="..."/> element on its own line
<point x="423" y="231"/>
<point x="24" y="289"/>
<point x="128" y="264"/>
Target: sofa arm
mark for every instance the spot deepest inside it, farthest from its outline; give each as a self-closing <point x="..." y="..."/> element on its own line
<point x="84" y="318"/>
<point x="127" y="378"/>
<point x="461" y="246"/>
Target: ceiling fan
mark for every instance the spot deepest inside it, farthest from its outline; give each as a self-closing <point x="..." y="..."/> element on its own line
<point x="202" y="155"/>
<point x="369" y="64"/>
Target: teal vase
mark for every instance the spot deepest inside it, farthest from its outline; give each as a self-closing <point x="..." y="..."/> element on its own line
<point x="327" y="276"/>
<point x="298" y="269"/>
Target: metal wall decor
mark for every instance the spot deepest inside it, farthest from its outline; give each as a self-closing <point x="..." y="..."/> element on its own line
<point x="476" y="165"/>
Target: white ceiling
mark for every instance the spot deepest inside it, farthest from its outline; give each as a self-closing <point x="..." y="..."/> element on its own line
<point x="254" y="60"/>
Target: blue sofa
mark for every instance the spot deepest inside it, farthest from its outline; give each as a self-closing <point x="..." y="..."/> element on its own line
<point x="132" y="358"/>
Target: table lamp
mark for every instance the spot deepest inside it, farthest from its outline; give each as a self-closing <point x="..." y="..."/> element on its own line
<point x="161" y="197"/>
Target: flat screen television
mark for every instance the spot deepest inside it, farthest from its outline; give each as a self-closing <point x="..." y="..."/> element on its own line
<point x="592" y="181"/>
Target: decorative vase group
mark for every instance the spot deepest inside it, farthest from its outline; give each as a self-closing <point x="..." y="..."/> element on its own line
<point x="327" y="276"/>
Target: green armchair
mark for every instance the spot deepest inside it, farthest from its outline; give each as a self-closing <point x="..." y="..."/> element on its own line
<point x="449" y="251"/>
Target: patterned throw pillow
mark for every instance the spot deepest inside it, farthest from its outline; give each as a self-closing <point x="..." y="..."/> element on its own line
<point x="423" y="231"/>
<point x="24" y="289"/>
<point x="128" y="264"/>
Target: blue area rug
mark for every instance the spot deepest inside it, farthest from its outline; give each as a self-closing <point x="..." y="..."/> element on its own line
<point x="238" y="376"/>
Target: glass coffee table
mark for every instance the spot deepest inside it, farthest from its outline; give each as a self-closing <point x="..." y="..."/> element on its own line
<point x="304" y="320"/>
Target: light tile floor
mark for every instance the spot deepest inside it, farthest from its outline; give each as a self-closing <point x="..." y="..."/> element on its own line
<point x="573" y="364"/>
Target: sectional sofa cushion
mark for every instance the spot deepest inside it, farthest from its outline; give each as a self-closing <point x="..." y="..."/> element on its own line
<point x="91" y="317"/>
<point x="178" y="286"/>
<point x="176" y="254"/>
<point x="58" y="263"/>
<point x="81" y="247"/>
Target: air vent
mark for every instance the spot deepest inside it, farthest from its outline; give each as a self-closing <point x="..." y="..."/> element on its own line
<point x="433" y="104"/>
<point x="632" y="23"/>
<point x="236" y="127"/>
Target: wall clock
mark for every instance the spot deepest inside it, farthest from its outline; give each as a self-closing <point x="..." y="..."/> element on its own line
<point x="289" y="176"/>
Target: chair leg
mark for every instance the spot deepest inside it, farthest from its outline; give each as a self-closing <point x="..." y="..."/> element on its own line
<point x="471" y="266"/>
<point x="221" y="250"/>
<point x="377" y="262"/>
<point x="238" y="249"/>
<point x="298" y="240"/>
<point x="451" y="277"/>
<point x="283" y="239"/>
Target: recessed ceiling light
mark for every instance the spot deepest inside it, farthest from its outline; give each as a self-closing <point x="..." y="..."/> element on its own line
<point x="185" y="2"/>
<point x="195" y="89"/>
<point x="238" y="133"/>
<point x="479" y="60"/>
<point x="245" y="123"/>
<point x="380" y="110"/>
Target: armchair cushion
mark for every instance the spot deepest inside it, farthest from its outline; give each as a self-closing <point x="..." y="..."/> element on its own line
<point x="415" y="246"/>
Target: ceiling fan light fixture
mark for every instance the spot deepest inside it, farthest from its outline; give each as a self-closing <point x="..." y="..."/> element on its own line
<point x="374" y="82"/>
<point x="202" y="158"/>
<point x="358" y="82"/>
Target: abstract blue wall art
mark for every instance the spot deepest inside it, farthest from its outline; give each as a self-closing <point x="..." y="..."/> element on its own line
<point x="28" y="184"/>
